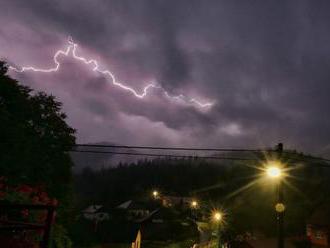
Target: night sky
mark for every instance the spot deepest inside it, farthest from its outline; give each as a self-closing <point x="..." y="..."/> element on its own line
<point x="265" y="66"/>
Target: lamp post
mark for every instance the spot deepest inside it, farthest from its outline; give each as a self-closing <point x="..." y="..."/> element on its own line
<point x="194" y="205"/>
<point x="217" y="218"/>
<point x="155" y="194"/>
<point x="275" y="171"/>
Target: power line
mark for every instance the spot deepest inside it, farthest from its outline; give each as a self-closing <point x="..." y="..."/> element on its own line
<point x="174" y="148"/>
<point x="164" y="155"/>
<point x="292" y="153"/>
<point x="296" y="160"/>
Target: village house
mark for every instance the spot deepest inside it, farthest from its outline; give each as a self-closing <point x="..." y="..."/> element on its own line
<point x="176" y="201"/>
<point x="137" y="211"/>
<point x="95" y="213"/>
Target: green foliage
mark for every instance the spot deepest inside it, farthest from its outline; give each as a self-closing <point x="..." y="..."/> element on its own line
<point x="60" y="237"/>
<point x="112" y="186"/>
<point x="35" y="140"/>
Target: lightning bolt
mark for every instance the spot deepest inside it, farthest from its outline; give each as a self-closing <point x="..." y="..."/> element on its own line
<point x="71" y="50"/>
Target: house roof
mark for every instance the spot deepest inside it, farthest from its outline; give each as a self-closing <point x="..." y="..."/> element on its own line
<point x="125" y="204"/>
<point x="151" y="214"/>
<point x="160" y="213"/>
<point x="92" y="209"/>
<point x="136" y="205"/>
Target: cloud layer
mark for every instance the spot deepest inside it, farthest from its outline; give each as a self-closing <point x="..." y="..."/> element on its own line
<point x="264" y="63"/>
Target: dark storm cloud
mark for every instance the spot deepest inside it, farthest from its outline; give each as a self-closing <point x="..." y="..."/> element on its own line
<point x="264" y="63"/>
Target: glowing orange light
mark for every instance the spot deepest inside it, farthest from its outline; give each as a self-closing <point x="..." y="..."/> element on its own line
<point x="194" y="204"/>
<point x="217" y="216"/>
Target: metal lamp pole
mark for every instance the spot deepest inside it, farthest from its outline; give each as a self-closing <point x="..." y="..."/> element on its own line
<point x="280" y="207"/>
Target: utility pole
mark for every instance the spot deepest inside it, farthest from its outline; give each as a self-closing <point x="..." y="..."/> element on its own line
<point x="280" y="207"/>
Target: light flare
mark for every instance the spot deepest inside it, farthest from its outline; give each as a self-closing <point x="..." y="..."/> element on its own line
<point x="71" y="50"/>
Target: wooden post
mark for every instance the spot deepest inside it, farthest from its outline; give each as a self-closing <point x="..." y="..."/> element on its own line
<point x="48" y="224"/>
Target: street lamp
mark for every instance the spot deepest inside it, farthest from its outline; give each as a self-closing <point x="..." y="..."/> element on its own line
<point x="155" y="194"/>
<point x="193" y="209"/>
<point x="194" y="204"/>
<point x="274" y="170"/>
<point x="217" y="217"/>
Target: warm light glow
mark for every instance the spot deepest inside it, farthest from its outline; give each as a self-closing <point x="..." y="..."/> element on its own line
<point x="273" y="171"/>
<point x="280" y="207"/>
<point x="194" y="204"/>
<point x="155" y="193"/>
<point x="217" y="216"/>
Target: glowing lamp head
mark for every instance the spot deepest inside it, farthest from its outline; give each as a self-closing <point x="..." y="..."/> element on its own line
<point x="273" y="172"/>
<point x="194" y="204"/>
<point x="217" y="216"/>
<point x="155" y="193"/>
<point x="280" y="207"/>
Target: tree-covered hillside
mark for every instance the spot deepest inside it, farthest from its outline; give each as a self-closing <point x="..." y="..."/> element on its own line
<point x="240" y="187"/>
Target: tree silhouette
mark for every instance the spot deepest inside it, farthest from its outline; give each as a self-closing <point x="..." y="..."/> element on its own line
<point x="34" y="138"/>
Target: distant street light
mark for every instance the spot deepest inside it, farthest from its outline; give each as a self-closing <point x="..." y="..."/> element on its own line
<point x="194" y="204"/>
<point x="155" y="194"/>
<point x="217" y="217"/>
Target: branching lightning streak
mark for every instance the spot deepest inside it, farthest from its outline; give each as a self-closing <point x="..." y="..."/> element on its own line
<point x="71" y="49"/>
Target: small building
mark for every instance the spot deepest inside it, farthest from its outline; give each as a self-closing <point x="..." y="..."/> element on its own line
<point x="137" y="211"/>
<point x="95" y="213"/>
<point x="165" y="224"/>
<point x="174" y="201"/>
<point x="318" y="227"/>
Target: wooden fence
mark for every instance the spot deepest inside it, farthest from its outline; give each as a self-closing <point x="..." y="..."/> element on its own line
<point x="10" y="225"/>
